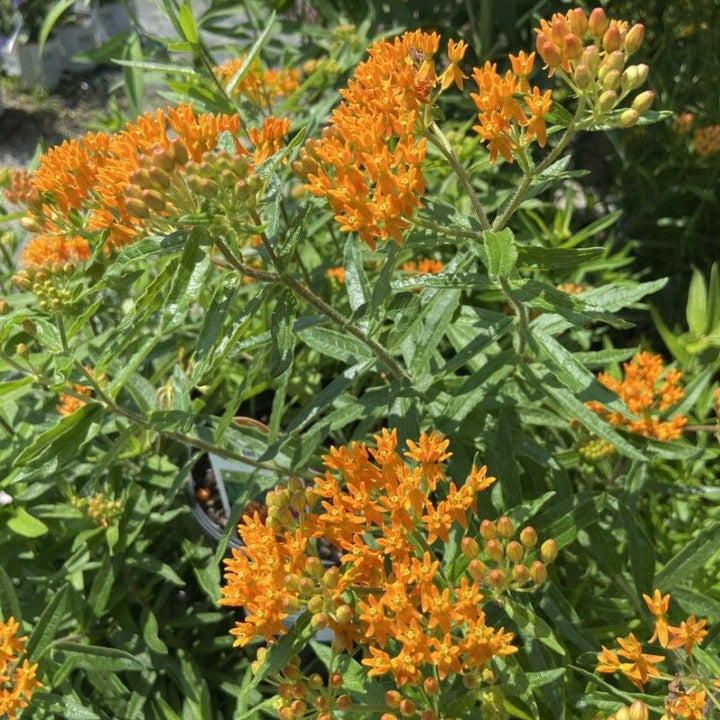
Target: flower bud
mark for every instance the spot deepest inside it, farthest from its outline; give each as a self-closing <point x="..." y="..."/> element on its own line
<point x="591" y="57"/>
<point x="573" y="46"/>
<point x="496" y="578"/>
<point x="428" y="715"/>
<point x="431" y="686"/>
<point x="477" y="569"/>
<point x="607" y="100"/>
<point x="505" y="527"/>
<point x="344" y="614"/>
<point x="154" y="200"/>
<point x="4" y="307"/>
<point x="335" y="680"/>
<point x="528" y="537"/>
<point x="159" y="178"/>
<point x="638" y="710"/>
<point x="298" y="707"/>
<point x="634" y="38"/>
<point x="622" y="714"/>
<point x="314" y="567"/>
<point x="29" y="326"/>
<point x="515" y="551"/>
<point x="629" y="117"/>
<point x="392" y="699"/>
<point x="285" y="691"/>
<point x="494" y="550"/>
<point x="469" y="547"/>
<point x="521" y="574"/>
<point x="343" y="703"/>
<point x="315" y="604"/>
<point x="178" y="152"/>
<point x="598" y="22"/>
<point x="538" y="572"/>
<point x="611" y="39"/>
<point x="306" y="587"/>
<point x="643" y="101"/>
<point x="548" y="52"/>
<point x="29" y="223"/>
<point x="319" y="621"/>
<point x="631" y="79"/>
<point x="407" y="707"/>
<point x="487" y="530"/>
<point x="22" y="350"/>
<point x="162" y="158"/>
<point x="611" y="80"/>
<point x="548" y="551"/>
<point x="315" y="681"/>
<point x="331" y="578"/>
<point x="582" y="76"/>
<point x="298" y="690"/>
<point x="615" y="60"/>
<point x="578" y="21"/>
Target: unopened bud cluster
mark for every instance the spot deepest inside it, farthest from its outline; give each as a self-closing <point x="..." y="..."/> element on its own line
<point x="48" y="283"/>
<point x="638" y="710"/>
<point x="595" y="450"/>
<point x="591" y="53"/>
<point x="502" y="562"/>
<point x="300" y="696"/>
<point x="98" y="508"/>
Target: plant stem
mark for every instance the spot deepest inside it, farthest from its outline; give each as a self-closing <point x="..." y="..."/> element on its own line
<point x="428" y="224"/>
<point x="318" y="303"/>
<point x="516" y="199"/>
<point x="437" y="138"/>
<point x="521" y="312"/>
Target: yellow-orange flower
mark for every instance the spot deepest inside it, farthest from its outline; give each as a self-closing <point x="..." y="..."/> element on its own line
<point x="641" y="666"/>
<point x="691" y="632"/>
<point x="269" y="138"/>
<point x="18" y="679"/>
<point x="53" y="250"/>
<point x="658" y="605"/>
<point x="260" y="86"/>
<point x="647" y="390"/>
<point x="687" y="705"/>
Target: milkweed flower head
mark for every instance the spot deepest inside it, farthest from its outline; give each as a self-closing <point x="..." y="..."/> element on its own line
<point x="689" y="689"/>
<point x="18" y="679"/>
<point x="259" y="85"/>
<point x="591" y="53"/>
<point x="707" y="140"/>
<point x="386" y="515"/>
<point x="368" y="161"/>
<point x="648" y="390"/>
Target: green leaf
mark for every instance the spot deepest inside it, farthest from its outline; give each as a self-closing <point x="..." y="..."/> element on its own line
<point x="99" y="659"/>
<point x="51" y="18"/>
<point x="187" y="23"/>
<point x="101" y="587"/>
<point x="134" y="78"/>
<point x="669" y="338"/>
<point x="713" y="305"/>
<point x="696" y="311"/>
<point x="502" y="252"/>
<point x="250" y="57"/>
<point x="553" y="258"/>
<point x="282" y="348"/>
<point x="9" y="604"/>
<point x="566" y="518"/>
<point x="150" y="628"/>
<point x="531" y="625"/>
<point x="681" y="569"/>
<point x="337" y="345"/>
<point x="46" y="627"/>
<point x="22" y="523"/>
<point x="356" y="282"/>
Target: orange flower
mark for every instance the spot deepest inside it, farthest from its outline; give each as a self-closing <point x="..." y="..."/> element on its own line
<point x="689" y="706"/>
<point x="658" y="606"/>
<point x="691" y="632"/>
<point x="260" y="86"/>
<point x="641" y="666"/>
<point x="54" y="250"/>
<point x="337" y="274"/>
<point x="269" y="139"/>
<point x="17" y="679"/>
<point x="707" y="140"/>
<point x="453" y="73"/>
<point x="645" y="393"/>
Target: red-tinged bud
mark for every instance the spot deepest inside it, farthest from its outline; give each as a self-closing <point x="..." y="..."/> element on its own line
<point x="314" y="567"/>
<point x="178" y="152"/>
<point x="319" y="621"/>
<point x="470" y="681"/>
<point x="392" y="699"/>
<point x="137" y="208"/>
<point x="612" y="40"/>
<point x="505" y="527"/>
<point x="611" y="80"/>
<point x="322" y="703"/>
<point x="607" y="100"/>
<point x="628" y="118"/>
<point x="496" y="578"/>
<point x="487" y="530"/>
<point x="428" y="715"/>
<point x="291" y="671"/>
<point x="344" y="702"/>
<point x="344" y="614"/>
<point x="591" y="58"/>
<point x="638" y="710"/>
<point x="548" y="551"/>
<point x="306" y="587"/>
<point x="515" y="551"/>
<point x="285" y="713"/>
<point x="477" y="569"/>
<point x="388" y="716"/>
<point x="615" y="60"/>
<point x="548" y="52"/>
<point x="431" y="686"/>
<point x="158" y="178"/>
<point x="582" y="76"/>
<point x="578" y="21"/>
<point x="643" y="102"/>
<point x="520" y="574"/>
<point x="598" y="22"/>
<point x="538" y="572"/>
<point x="299" y="708"/>
<point x="407" y="707"/>
<point x="299" y="690"/>
<point x="154" y="200"/>
<point x="634" y="38"/>
<point x="335" y="680"/>
<point x="469" y="547"/>
<point x="494" y="550"/>
<point x="573" y="46"/>
<point x="528" y="537"/>
<point x="285" y="691"/>
<point x="291" y="604"/>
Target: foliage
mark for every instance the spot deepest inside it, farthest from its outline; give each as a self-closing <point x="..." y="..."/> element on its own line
<point x="300" y="263"/>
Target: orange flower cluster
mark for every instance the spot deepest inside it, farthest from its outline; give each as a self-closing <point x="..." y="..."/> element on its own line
<point x="268" y="139"/>
<point x="260" y="86"/>
<point x="426" y="266"/>
<point x="50" y="251"/>
<point x="682" y="123"/>
<point x="505" y="122"/>
<point x="647" y="392"/>
<point x="385" y="518"/>
<point x="17" y="680"/>
<point x="688" y="695"/>
<point x="336" y="275"/>
<point x="99" y="508"/>
<point x="591" y="53"/>
<point x="368" y="161"/>
<point x="123" y="183"/>
<point x="707" y="140"/>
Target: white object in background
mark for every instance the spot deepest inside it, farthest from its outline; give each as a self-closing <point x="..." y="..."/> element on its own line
<point x="77" y="38"/>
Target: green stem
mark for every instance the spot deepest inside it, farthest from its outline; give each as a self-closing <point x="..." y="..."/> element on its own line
<point x="521" y="312"/>
<point x="516" y="199"/>
<point x="61" y="330"/>
<point x="318" y="303"/>
<point x="437" y="138"/>
<point x="423" y="222"/>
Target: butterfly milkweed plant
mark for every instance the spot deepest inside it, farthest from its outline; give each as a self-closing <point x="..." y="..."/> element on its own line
<point x="329" y="387"/>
